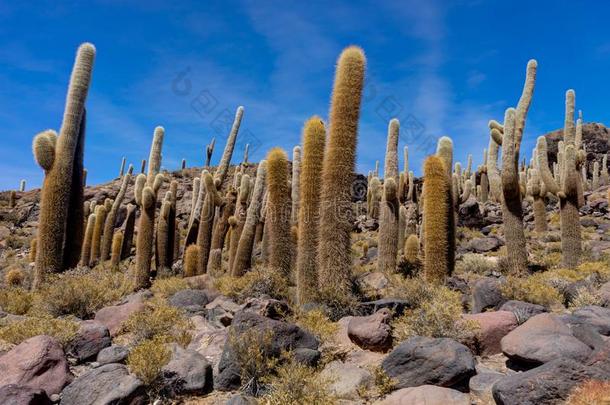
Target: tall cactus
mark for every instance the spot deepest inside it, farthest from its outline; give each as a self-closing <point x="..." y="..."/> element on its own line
<point x="295" y="184"/>
<point x="163" y="248"/>
<point x="314" y="139"/>
<point x="117" y="243"/>
<point x="373" y="198"/>
<point x="58" y="189"/>
<point x="444" y="150"/>
<point x="86" y="251"/>
<point x="220" y="231"/>
<point x="204" y="232"/>
<point x="223" y="166"/>
<point x="334" y="245"/>
<point x="567" y="188"/>
<point x="243" y="252"/>
<point x="389" y="215"/>
<point x="128" y="227"/>
<point x="278" y="212"/>
<point x="437" y="213"/>
<point x="537" y="190"/>
<point x="241" y="209"/>
<point x="111" y="217"/>
<point x="122" y="169"/>
<point x="96" y="240"/>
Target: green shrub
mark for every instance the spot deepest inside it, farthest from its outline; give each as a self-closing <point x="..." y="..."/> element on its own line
<point x="63" y="330"/>
<point x="147" y="359"/>
<point x="318" y="324"/>
<point x="534" y="289"/>
<point x="252" y="350"/>
<point x="16" y="300"/>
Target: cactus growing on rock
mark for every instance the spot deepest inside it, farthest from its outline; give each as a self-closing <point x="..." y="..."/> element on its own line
<point x="209" y="150"/>
<point x="334" y="245"/>
<point x="314" y="139"/>
<point x="122" y="169"/>
<point x="204" y="231"/>
<point x="117" y="244"/>
<point x="389" y="208"/>
<point x="96" y="240"/>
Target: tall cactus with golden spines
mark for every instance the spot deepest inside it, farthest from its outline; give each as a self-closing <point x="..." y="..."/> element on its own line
<point x="128" y="228"/>
<point x="295" y="182"/>
<point x="444" y="150"/>
<point x="220" y="231"/>
<point x="411" y="249"/>
<point x="208" y="210"/>
<point x="163" y="248"/>
<point x="111" y="216"/>
<point x="567" y="188"/>
<point x="96" y="240"/>
<point x="389" y="211"/>
<point x="241" y="209"/>
<point x="86" y="251"/>
<point x="243" y="253"/>
<point x="437" y="214"/>
<point x="223" y="166"/>
<point x="278" y="212"/>
<point x="191" y="258"/>
<point x="117" y="243"/>
<point x="314" y="140"/>
<point x="58" y="192"/>
<point x="334" y="245"/>
<point x="209" y="150"/>
<point x="373" y="198"/>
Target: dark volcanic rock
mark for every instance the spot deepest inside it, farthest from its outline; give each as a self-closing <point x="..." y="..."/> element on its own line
<point x="92" y="337"/>
<point x="486" y="294"/>
<point x="14" y="394"/>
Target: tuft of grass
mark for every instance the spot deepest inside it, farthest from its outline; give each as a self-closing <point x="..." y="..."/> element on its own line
<point x="147" y="359"/>
<point x="256" y="283"/>
<point x="592" y="392"/>
<point x="414" y="290"/>
<point x="159" y="321"/>
<point x="383" y="382"/>
<point x="166" y="287"/>
<point x="585" y="297"/>
<point x="63" y="330"/>
<point x="438" y="315"/>
<point x="296" y="384"/>
<point x="534" y="289"/>
<point x="318" y="324"/>
<point x="16" y="300"/>
<point x="252" y="350"/>
<point x="475" y="263"/>
<point x="14" y="277"/>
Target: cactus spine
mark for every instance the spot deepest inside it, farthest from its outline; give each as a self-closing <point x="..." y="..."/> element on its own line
<point x="111" y="217"/>
<point x="314" y="139"/>
<point x="334" y="245"/>
<point x="437" y="213"/>
<point x="191" y="258"/>
<point x="389" y="220"/>
<point x="278" y="209"/>
<point x="243" y="253"/>
<point x="411" y="249"/>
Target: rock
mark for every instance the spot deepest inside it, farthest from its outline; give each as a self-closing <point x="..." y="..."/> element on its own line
<point x="38" y="363"/>
<point x="267" y="307"/>
<point x="597" y="317"/>
<point x="588" y="335"/>
<point x="13" y="394"/>
<point x="187" y="372"/>
<point x="346" y="379"/>
<point x="549" y="384"/>
<point x="422" y="360"/>
<point x="493" y="326"/>
<point x="604" y="293"/>
<point x="375" y="280"/>
<point x="486" y="294"/>
<point x="208" y="340"/>
<point x="113" y="316"/>
<point x="92" y="337"/>
<point x="309" y="357"/>
<point x="192" y="301"/>
<point x="426" y="394"/>
<point x="522" y="310"/>
<point x="397" y="306"/>
<point x="241" y="399"/>
<point x="541" y="339"/>
<point x="372" y="332"/>
<point x="112" y="354"/>
<point x="480" y="387"/>
<point x="283" y="336"/>
<point x="482" y="245"/>
<point x="470" y="214"/>
<point x="221" y="310"/>
<point x="108" y="384"/>
<point x="588" y="222"/>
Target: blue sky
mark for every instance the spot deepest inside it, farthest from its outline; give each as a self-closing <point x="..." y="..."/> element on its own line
<point x="442" y="67"/>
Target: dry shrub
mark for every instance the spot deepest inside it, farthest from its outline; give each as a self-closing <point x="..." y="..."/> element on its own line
<point x="534" y="289"/>
<point x="14" y="277"/>
<point x="296" y="384"/>
<point x="439" y="315"/>
<point x="383" y="382"/>
<point x="81" y="293"/>
<point x="585" y="297"/>
<point x="252" y="349"/>
<point x="166" y="287"/>
<point x="159" y="321"/>
<point x="16" y="300"/>
<point x="591" y="392"/>
<point x="414" y="290"/>
<point x="256" y="283"/>
<point x="318" y="324"/>
<point x="475" y="263"/>
<point x="63" y="330"/>
<point x="147" y="359"/>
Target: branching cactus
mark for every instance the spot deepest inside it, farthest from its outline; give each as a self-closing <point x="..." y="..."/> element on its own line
<point x="389" y="215"/>
<point x="437" y="214"/>
<point x="59" y="156"/>
<point x="537" y="191"/>
<point x="245" y="244"/>
<point x="209" y="151"/>
<point x="278" y="212"/>
<point x="334" y="245"/>
<point x="567" y="188"/>
<point x="223" y="166"/>
<point x="221" y="228"/>
<point x="295" y="182"/>
<point x="111" y="217"/>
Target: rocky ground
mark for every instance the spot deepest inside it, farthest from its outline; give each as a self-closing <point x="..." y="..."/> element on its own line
<point x="484" y="338"/>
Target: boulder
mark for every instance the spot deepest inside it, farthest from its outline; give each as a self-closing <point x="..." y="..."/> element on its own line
<point x="481" y="385"/>
<point x="483" y="245"/>
<point x="522" y="310"/>
<point x="112" y="354"/>
<point x="493" y="326"/>
<point x="38" y="363"/>
<point x="422" y="360"/>
<point x="597" y="317"/>
<point x="426" y="394"/>
<point x="108" y="384"/>
<point x="604" y="293"/>
<point x="306" y="356"/>
<point x="397" y="306"/>
<point x="346" y="379"/>
<point x="548" y="384"/>
<point x="241" y="399"/>
<point x="541" y="339"/>
<point x="267" y="307"/>
<point x="372" y="332"/>
<point x="221" y="310"/>
<point x="283" y="336"/>
<point x="13" y="394"/>
<point x="192" y="301"/>
<point x="188" y="372"/>
<point x="113" y="316"/>
<point x="92" y="337"/>
<point x="486" y="294"/>
<point x="375" y="280"/>
<point x="208" y="340"/>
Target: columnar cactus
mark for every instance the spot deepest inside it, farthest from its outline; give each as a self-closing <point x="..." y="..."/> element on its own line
<point x="437" y="214"/>
<point x="143" y="166"/>
<point x="111" y="216"/>
<point x="204" y="232"/>
<point x="163" y="249"/>
<point x="86" y="251"/>
<point x="209" y="150"/>
<point x="12" y="198"/>
<point x="444" y="150"/>
<point x="223" y="166"/>
<point x="314" y="139"/>
<point x="22" y="186"/>
<point x="193" y="224"/>
<point x="122" y="170"/>
<point x="595" y="181"/>
<point x="537" y="190"/>
<point x="604" y="170"/>
<point x="241" y="209"/>
<point x="278" y="212"/>
<point x="334" y="245"/>
<point x="373" y="198"/>
<point x="60" y="161"/>
<point x="296" y="173"/>
<point x="246" y="149"/>
<point x="117" y="243"/>
<point x="191" y="258"/>
<point x="389" y="212"/>
<point x="221" y="228"/>
<point x="567" y="188"/>
<point x="154" y="159"/>
<point x="32" y="255"/>
<point x="411" y="249"/>
<point x="402" y="226"/>
<point x="196" y="185"/>
<point x="128" y="228"/>
<point x="243" y="252"/>
<point x="96" y="240"/>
